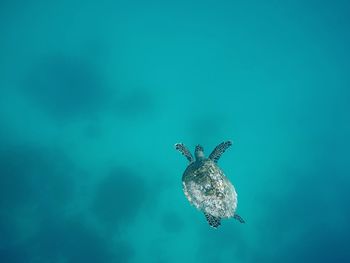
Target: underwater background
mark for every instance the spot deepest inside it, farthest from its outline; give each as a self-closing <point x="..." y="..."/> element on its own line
<point x="94" y="95"/>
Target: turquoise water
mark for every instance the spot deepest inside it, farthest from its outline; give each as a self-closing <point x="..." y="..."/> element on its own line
<point x="94" y="95"/>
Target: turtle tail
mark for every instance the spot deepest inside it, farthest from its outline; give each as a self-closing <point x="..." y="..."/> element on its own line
<point x="212" y="220"/>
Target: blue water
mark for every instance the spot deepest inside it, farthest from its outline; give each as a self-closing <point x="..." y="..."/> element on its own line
<point x="94" y="95"/>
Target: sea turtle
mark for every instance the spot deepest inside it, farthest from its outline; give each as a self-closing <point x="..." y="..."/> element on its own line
<point x="205" y="185"/>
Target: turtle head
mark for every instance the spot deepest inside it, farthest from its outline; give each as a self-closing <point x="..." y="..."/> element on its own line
<point x="199" y="153"/>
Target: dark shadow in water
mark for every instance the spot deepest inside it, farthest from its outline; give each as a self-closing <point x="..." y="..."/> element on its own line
<point x="14" y="255"/>
<point x="308" y="219"/>
<point x="320" y="244"/>
<point x="30" y="175"/>
<point x="34" y="183"/>
<point x="69" y="87"/>
<point x="66" y="87"/>
<point x="73" y="240"/>
<point x="119" y="197"/>
<point x="42" y="181"/>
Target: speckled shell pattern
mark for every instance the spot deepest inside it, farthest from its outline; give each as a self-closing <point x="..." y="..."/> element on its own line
<point x="208" y="189"/>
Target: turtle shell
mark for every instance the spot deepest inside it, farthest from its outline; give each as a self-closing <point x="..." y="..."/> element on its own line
<point x="208" y="189"/>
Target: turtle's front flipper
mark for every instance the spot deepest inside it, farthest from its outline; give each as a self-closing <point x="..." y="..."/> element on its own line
<point x="183" y="149"/>
<point x="239" y="218"/>
<point x="212" y="220"/>
<point x="219" y="150"/>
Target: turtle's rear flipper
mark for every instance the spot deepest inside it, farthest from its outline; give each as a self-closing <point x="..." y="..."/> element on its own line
<point x="212" y="220"/>
<point x="239" y="218"/>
